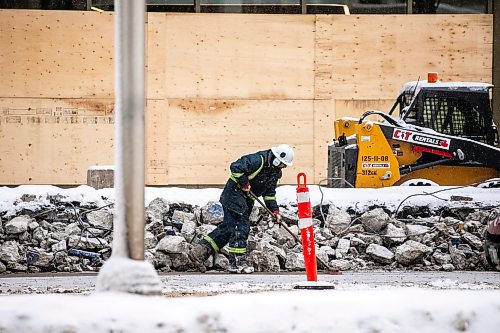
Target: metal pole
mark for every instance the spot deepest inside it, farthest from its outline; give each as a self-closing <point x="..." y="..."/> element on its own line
<point x="121" y="272"/>
<point x="129" y="122"/>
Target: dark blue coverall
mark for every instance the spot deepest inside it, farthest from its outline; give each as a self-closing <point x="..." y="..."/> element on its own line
<point x="263" y="177"/>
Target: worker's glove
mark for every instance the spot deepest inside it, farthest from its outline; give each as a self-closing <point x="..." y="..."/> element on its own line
<point x="277" y="216"/>
<point x="245" y="187"/>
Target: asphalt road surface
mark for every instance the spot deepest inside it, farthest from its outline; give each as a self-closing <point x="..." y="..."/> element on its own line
<point x="189" y="284"/>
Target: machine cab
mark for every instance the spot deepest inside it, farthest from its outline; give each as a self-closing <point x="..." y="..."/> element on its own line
<point x="460" y="109"/>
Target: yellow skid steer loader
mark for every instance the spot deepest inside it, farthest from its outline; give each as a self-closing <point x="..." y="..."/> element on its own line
<point x="444" y="135"/>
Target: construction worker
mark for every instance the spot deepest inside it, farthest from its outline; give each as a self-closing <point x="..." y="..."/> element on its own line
<point x="492" y="241"/>
<point x="258" y="172"/>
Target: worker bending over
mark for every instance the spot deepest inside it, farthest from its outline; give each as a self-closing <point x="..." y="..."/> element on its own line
<point x="258" y="172"/>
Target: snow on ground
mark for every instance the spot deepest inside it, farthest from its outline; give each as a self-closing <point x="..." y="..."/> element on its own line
<point x="393" y="310"/>
<point x="442" y="306"/>
<point x="360" y="199"/>
<point x="216" y="283"/>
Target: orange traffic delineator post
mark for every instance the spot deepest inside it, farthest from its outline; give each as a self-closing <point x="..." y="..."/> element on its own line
<point x="306" y="228"/>
<point x="307" y="233"/>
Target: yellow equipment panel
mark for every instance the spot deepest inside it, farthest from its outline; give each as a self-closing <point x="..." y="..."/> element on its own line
<point x="377" y="164"/>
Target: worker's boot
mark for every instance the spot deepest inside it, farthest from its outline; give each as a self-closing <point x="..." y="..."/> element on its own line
<point x="239" y="265"/>
<point x="199" y="253"/>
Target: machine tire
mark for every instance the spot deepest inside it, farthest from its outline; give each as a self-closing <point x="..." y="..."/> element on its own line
<point x="419" y="182"/>
<point x="490" y="183"/>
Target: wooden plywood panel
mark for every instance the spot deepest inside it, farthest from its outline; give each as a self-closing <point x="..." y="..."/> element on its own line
<point x="46" y="141"/>
<point x="156" y="55"/>
<point x="324" y="116"/>
<point x="56" y="54"/>
<point x="355" y="108"/>
<point x="157" y="145"/>
<point x="324" y="63"/>
<point x="374" y="55"/>
<point x="207" y="135"/>
<point x="240" y="56"/>
<point x="267" y="79"/>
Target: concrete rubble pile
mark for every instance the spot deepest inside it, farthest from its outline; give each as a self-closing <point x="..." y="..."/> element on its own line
<point x="67" y="237"/>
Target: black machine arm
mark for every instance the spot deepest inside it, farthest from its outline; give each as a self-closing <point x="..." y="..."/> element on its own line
<point x="384" y="115"/>
<point x="462" y="149"/>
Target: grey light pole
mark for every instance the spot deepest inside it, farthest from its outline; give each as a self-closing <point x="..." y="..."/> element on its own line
<point x="126" y="270"/>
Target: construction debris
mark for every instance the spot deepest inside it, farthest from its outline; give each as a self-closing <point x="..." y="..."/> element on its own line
<point x="55" y="238"/>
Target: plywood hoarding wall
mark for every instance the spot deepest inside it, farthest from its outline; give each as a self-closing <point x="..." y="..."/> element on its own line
<point x="218" y="86"/>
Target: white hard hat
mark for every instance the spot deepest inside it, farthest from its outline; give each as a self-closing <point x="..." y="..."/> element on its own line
<point x="283" y="153"/>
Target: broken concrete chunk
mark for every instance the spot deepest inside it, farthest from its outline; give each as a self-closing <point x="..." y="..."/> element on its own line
<point x="17" y="225"/>
<point x="157" y="209"/>
<point x="212" y="213"/>
<point x="473" y="240"/>
<point x="9" y="251"/>
<point x="380" y="254"/>
<point x="411" y="252"/>
<point x="343" y="247"/>
<point x="375" y="220"/>
<point x="101" y="218"/>
<point x="441" y="258"/>
<point x="172" y="244"/>
<point x="394" y="235"/>
<point x="337" y="220"/>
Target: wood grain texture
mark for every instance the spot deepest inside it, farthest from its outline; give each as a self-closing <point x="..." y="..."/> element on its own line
<point x="56" y="54"/>
<point x="324" y="116"/>
<point x="355" y="108"/>
<point x="324" y="62"/>
<point x="157" y="142"/>
<point x="156" y="56"/>
<point x="54" y="141"/>
<point x="209" y="135"/>
<point x="240" y="56"/>
<point x="375" y="55"/>
<point x="218" y="86"/>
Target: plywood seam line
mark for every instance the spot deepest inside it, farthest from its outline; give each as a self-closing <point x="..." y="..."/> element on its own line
<point x="268" y="77"/>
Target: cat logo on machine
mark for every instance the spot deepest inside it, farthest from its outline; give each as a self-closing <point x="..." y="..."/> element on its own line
<point x="426" y="140"/>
